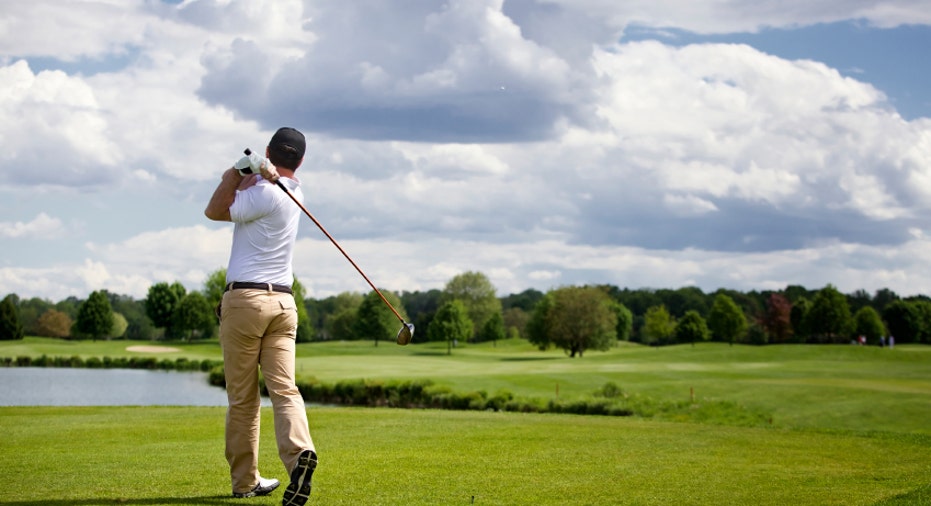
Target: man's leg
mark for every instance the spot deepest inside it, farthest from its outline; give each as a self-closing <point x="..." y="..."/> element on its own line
<point x="240" y="326"/>
<point x="292" y="432"/>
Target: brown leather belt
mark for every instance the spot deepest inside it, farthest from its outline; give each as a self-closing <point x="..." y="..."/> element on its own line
<point x="239" y="285"/>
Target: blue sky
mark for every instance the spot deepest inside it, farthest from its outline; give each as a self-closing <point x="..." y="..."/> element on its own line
<point x="746" y="145"/>
<point x="893" y="60"/>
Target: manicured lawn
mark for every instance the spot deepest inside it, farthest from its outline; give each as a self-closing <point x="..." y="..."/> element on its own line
<point x="849" y="425"/>
<point x="126" y="455"/>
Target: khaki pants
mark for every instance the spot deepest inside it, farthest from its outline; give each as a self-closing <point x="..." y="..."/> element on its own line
<point x="258" y="328"/>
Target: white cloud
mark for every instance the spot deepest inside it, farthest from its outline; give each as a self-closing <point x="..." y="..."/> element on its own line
<point x="59" y="124"/>
<point x="748" y="15"/>
<point x="515" y="138"/>
<point x="86" y="29"/>
<point x="42" y="226"/>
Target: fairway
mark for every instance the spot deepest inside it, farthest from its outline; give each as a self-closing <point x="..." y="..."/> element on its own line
<point x="421" y="457"/>
<point x="846" y="425"/>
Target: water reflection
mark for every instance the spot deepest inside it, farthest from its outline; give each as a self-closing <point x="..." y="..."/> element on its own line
<point x="47" y="386"/>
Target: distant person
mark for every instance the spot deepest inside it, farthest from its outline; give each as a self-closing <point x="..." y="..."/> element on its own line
<point x="258" y="317"/>
<point x="891" y="341"/>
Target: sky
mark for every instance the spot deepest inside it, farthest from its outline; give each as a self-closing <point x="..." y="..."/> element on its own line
<point x="740" y="144"/>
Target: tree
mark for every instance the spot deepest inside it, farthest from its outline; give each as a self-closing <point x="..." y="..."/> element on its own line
<point x="341" y="326"/>
<point x="924" y="313"/>
<point x="374" y="319"/>
<point x="477" y="295"/>
<point x="339" y="314"/>
<point x="903" y="321"/>
<point x="95" y="317"/>
<point x="119" y="326"/>
<point x="515" y="321"/>
<point x="421" y="306"/>
<point x="54" y="323"/>
<point x="679" y="301"/>
<point x="536" y="326"/>
<point x="798" y="316"/>
<point x="29" y="312"/>
<point x="868" y="323"/>
<point x="138" y="324"/>
<point x="858" y="299"/>
<point x="777" y="320"/>
<point x="575" y="319"/>
<point x="215" y="286"/>
<point x="829" y="317"/>
<point x="625" y="322"/>
<point x="194" y="315"/>
<point x="692" y="327"/>
<point x="493" y="330"/>
<point x="451" y="323"/>
<point x="726" y="320"/>
<point x="525" y="300"/>
<point x="69" y="306"/>
<point x="160" y="305"/>
<point x="638" y="301"/>
<point x="659" y="327"/>
<point x="305" y="331"/>
<point x="882" y="298"/>
<point x="11" y="327"/>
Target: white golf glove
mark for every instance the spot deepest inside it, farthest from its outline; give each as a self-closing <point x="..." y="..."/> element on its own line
<point x="244" y="166"/>
<point x="253" y="163"/>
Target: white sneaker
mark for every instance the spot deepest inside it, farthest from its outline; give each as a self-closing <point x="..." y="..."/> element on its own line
<point x="264" y="487"/>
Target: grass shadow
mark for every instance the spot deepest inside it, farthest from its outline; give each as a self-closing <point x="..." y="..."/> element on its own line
<point x="529" y="359"/>
<point x="215" y="499"/>
<point x="429" y="353"/>
<point x="920" y="495"/>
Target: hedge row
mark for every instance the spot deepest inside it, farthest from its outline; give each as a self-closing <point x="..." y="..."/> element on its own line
<point x="179" y="364"/>
<point x="609" y="400"/>
<point x="424" y="394"/>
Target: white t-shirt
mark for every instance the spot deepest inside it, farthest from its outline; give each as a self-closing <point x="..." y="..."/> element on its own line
<point x="266" y="222"/>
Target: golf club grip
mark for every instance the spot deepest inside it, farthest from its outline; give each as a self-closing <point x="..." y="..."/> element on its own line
<point x="330" y="237"/>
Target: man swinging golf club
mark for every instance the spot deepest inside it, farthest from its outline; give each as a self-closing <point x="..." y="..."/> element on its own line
<point x="258" y="316"/>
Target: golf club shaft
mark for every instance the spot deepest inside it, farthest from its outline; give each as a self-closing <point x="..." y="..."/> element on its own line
<point x="330" y="237"/>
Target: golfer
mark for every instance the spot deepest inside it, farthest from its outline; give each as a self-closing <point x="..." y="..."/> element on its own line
<point x="258" y="316"/>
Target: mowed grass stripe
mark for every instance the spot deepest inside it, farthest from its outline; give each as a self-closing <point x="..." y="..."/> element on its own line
<point x="125" y="455"/>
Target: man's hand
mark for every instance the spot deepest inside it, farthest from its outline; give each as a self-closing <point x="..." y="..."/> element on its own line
<point x="269" y="171"/>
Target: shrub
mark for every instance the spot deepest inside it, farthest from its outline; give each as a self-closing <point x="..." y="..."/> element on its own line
<point x="217" y="377"/>
<point x="610" y="390"/>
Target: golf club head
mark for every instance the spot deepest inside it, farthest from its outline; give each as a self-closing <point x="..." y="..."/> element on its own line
<point x="406" y="334"/>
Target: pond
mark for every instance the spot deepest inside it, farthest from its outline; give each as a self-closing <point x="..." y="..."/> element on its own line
<point x="49" y="386"/>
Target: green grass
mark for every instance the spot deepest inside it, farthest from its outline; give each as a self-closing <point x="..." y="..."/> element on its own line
<point x="379" y="456"/>
<point x="850" y="426"/>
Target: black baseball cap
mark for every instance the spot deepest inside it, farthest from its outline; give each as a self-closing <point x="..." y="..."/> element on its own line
<point x="289" y="143"/>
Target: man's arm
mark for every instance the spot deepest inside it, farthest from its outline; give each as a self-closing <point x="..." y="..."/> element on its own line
<point x="218" y="209"/>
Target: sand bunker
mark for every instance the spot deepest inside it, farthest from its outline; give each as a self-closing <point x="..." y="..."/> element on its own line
<point x="152" y="349"/>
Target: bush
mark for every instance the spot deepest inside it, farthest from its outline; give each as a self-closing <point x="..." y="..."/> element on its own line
<point x="610" y="390"/>
<point x="216" y="377"/>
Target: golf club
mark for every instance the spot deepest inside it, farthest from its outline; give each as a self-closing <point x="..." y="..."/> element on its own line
<point x="407" y="329"/>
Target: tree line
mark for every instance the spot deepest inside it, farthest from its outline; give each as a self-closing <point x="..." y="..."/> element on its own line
<point x="572" y="318"/>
